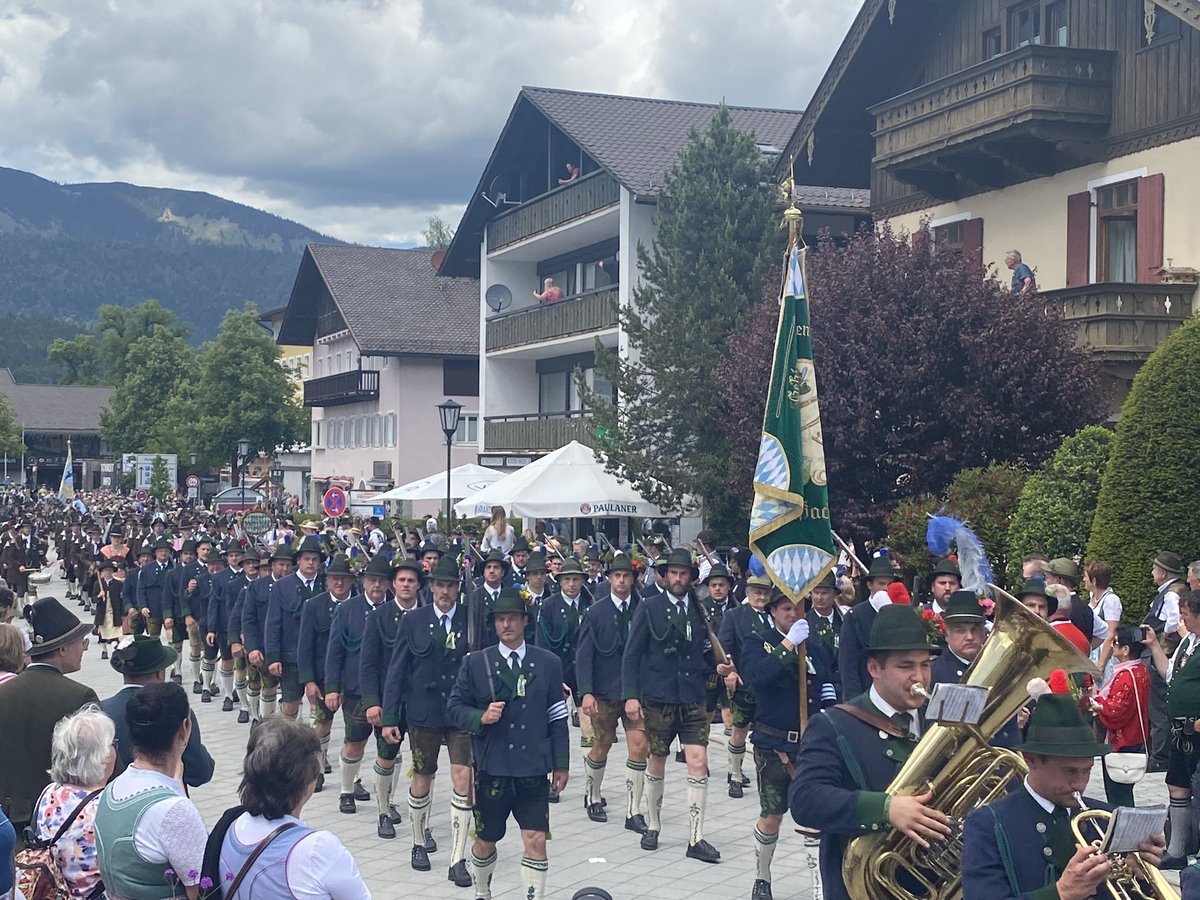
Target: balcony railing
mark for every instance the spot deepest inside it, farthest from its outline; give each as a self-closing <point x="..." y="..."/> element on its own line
<point x="538" y="432"/>
<point x="571" y="201"/>
<point x="1123" y="323"/>
<point x="354" y="386"/>
<point x="1027" y="113"/>
<point x="577" y="314"/>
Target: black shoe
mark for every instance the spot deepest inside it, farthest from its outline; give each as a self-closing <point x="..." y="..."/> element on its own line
<point x="553" y="798"/>
<point x="320" y="784"/>
<point x="346" y="804"/>
<point x="205" y="696"/>
<point x="430" y="843"/>
<point x="704" y="851"/>
<point x="1173" y="862"/>
<point x="328" y="768"/>
<point x="459" y="875"/>
<point x="177" y="678"/>
<point x="197" y="687"/>
<point x="233" y="695"/>
<point x="360" y="792"/>
<point x="762" y="890"/>
<point x="227" y="705"/>
<point x="394" y="814"/>
<point x="649" y="840"/>
<point x="735" y="790"/>
<point x="636" y="824"/>
<point x="104" y="654"/>
<point x="385" y="829"/>
<point x="745" y="781"/>
<point x="420" y="859"/>
<point x="596" y="813"/>
<point x="680" y="756"/>
<point x="243" y="716"/>
<point x="575" y="719"/>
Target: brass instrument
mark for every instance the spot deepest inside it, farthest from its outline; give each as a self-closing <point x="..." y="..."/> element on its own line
<point x="958" y="764"/>
<point x="1130" y="877"/>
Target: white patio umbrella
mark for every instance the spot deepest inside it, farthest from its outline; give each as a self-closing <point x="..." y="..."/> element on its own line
<point x="570" y="483"/>
<point x="464" y="481"/>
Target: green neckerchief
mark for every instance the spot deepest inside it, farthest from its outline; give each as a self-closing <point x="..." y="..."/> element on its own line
<point x="509" y="678"/>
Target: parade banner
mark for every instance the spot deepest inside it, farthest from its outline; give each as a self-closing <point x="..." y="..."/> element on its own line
<point x="790" y="531"/>
<point x="66" y="487"/>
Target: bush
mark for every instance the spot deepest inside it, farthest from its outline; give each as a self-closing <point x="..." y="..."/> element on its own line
<point x="1058" y="502"/>
<point x="1147" y="499"/>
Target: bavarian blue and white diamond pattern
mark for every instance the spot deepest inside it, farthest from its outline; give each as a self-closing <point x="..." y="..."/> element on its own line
<point x="772" y="468"/>
<point x="798" y="564"/>
<point x="766" y="510"/>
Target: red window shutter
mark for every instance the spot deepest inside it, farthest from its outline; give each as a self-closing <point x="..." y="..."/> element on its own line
<point x="973" y="242"/>
<point x="1150" y="227"/>
<point x="1079" y="237"/>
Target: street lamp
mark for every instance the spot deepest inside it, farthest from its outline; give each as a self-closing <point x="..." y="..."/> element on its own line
<point x="450" y="413"/>
<point x="243" y="452"/>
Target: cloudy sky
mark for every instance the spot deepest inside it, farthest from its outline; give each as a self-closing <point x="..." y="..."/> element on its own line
<point x="361" y="118"/>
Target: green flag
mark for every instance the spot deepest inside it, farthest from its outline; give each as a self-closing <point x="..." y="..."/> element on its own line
<point x="790" y="531"/>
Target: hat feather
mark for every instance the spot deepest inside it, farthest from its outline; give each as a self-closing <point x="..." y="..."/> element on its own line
<point x="899" y="594"/>
<point x="972" y="558"/>
<point x="1037" y="688"/>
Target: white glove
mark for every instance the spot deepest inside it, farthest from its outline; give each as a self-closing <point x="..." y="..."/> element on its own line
<point x="798" y="633"/>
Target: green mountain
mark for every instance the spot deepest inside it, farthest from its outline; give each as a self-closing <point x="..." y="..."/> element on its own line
<point x="67" y="248"/>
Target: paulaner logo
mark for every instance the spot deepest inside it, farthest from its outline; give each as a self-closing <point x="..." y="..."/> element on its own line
<point x="608" y="509"/>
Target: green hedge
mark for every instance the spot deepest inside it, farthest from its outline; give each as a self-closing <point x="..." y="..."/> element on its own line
<point x="1148" y="498"/>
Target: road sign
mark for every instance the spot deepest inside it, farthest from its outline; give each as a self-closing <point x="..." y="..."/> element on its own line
<point x="141" y="496"/>
<point x="256" y="523"/>
<point x="193" y="481"/>
<point x="334" y="502"/>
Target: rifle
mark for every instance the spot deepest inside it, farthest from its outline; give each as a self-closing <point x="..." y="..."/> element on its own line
<point x="476" y="617"/>
<point x="718" y="651"/>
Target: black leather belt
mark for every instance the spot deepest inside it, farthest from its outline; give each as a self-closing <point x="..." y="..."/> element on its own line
<point x="792" y="737"/>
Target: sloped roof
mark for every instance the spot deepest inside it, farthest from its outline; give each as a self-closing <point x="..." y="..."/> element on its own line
<point x="73" y="408"/>
<point x="392" y="301"/>
<point x="817" y="197"/>
<point x="637" y="139"/>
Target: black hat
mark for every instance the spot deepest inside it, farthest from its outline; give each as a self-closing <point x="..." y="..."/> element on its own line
<point x="681" y="556"/>
<point x="570" y="566"/>
<point x="410" y="564"/>
<point x="204" y="539"/>
<point x="250" y="557"/>
<point x="188" y="546"/>
<point x="620" y="563"/>
<point x="142" y="655"/>
<point x="233" y="547"/>
<point x="963" y="606"/>
<point x="283" y="551"/>
<point x="214" y="559"/>
<point x="1057" y="727"/>
<point x="445" y="570"/>
<point x="521" y="545"/>
<point x="143" y="550"/>
<point x="339" y="565"/>
<point x="510" y="600"/>
<point x="430" y="547"/>
<point x="1037" y="587"/>
<point x="497" y="557"/>
<point x="828" y="581"/>
<point x="379" y="565"/>
<point x="311" y="544"/>
<point x="105" y="563"/>
<point x="881" y="567"/>
<point x="1169" y="562"/>
<point x="718" y="570"/>
<point x="163" y="543"/>
<point x="899" y="627"/>
<point x="53" y="626"/>
<point x="946" y="567"/>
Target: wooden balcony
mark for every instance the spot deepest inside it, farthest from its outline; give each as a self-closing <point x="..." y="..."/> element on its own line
<point x="1023" y="115"/>
<point x="1122" y="324"/>
<point x="577" y="314"/>
<point x="355" y="386"/>
<point x="586" y="195"/>
<point x="537" y="432"/>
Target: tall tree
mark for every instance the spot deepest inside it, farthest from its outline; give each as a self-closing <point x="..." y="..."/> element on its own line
<point x="160" y="482"/>
<point x="11" y="444"/>
<point x="119" y="327"/>
<point x="137" y="417"/>
<point x="240" y="391"/>
<point x="925" y="369"/>
<point x="438" y="235"/>
<point x="715" y="222"/>
<point x="78" y="357"/>
<point x="1147" y="499"/>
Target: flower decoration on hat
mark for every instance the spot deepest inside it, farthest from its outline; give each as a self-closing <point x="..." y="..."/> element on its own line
<point x="526" y="596"/>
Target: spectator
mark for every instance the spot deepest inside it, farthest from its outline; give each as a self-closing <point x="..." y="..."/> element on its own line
<point x="1193" y="575"/>
<point x="8" y="604"/>
<point x="1022" y="279"/>
<point x="35" y="700"/>
<point x="1064" y="572"/>
<point x="551" y="293"/>
<point x="83" y="753"/>
<point x="8" y="846"/>
<point x="498" y="535"/>
<point x="431" y="524"/>
<point x="143" y="660"/>
<point x="283" y="760"/>
<point x="12" y="652"/>
<point x="1105" y="604"/>
<point x="572" y="174"/>
<point x="149" y="835"/>
<point x="1122" y="706"/>
<point x="1058" y="614"/>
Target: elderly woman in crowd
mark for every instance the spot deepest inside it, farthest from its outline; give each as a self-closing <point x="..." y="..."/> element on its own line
<point x="149" y="834"/>
<point x="1122" y="706"/>
<point x="12" y="652"/>
<point x="283" y="760"/>
<point x="82" y="755"/>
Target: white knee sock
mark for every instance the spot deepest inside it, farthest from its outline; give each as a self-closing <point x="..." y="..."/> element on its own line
<point x="533" y="877"/>
<point x="255" y="699"/>
<point x="654" y="797"/>
<point x="383" y="788"/>
<point x="764" y="852"/>
<point x="270" y="705"/>
<point x="697" y="800"/>
<point x="460" y="827"/>
<point x="324" y="748"/>
<point x="243" y="692"/>
<point x="1180" y="815"/>
<point x="196" y="667"/>
<point x="736" y="756"/>
<point x="226" y="683"/>
<point x="635" y="783"/>
<point x="419" y="809"/>
<point x="207" y="671"/>
<point x="593" y="773"/>
<point x="481" y="874"/>
<point x="350" y="769"/>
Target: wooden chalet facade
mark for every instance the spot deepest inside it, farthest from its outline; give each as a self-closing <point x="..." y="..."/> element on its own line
<point x="1066" y="129"/>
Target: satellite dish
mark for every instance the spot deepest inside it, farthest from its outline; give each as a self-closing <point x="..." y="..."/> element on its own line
<point x="497" y="193"/>
<point x="498" y="298"/>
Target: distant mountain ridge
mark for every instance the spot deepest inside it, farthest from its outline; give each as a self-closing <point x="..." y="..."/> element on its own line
<point x="67" y="248"/>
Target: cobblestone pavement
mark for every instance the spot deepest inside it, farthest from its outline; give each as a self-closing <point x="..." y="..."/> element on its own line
<point x="582" y="853"/>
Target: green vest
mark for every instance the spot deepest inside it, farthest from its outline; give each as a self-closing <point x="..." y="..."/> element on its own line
<point x="122" y="868"/>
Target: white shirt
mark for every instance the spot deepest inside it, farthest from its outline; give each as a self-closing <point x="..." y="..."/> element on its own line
<point x="879" y="600"/>
<point x="1185" y="647"/>
<point x="888" y="711"/>
<point x="1108" y="606"/>
<point x="447" y="617"/>
<point x="171" y="830"/>
<point x="618" y="602"/>
<point x="1170" y="609"/>
<point x="507" y="653"/>
<point x="320" y="865"/>
<point x="1045" y="804"/>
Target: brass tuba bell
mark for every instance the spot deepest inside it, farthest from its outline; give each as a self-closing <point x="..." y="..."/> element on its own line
<point x="958" y="764"/>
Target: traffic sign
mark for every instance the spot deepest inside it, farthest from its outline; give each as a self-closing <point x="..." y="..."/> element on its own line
<point x="256" y="523"/>
<point x="334" y="502"/>
<point x="141" y="496"/>
<point x="193" y="481"/>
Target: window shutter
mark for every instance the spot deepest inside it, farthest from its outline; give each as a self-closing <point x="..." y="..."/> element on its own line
<point x="1079" y="237"/>
<point x="1150" y="227"/>
<point x="973" y="242"/>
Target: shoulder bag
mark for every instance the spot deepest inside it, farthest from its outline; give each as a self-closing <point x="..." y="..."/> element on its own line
<point x="1129" y="768"/>
<point x="38" y="874"/>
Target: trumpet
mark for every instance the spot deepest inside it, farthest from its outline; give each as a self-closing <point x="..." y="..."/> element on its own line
<point x="1130" y="877"/>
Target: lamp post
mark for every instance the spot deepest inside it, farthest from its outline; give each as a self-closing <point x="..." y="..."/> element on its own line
<point x="243" y="453"/>
<point x="449" y="412"/>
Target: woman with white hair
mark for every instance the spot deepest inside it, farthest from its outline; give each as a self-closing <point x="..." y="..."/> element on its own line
<point x="82" y="755"/>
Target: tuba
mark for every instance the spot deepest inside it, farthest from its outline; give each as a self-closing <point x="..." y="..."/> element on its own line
<point x="958" y="764"/>
<point x="1130" y="877"/>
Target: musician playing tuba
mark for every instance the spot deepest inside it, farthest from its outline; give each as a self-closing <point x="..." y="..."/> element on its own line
<point x="1023" y="845"/>
<point x="851" y="752"/>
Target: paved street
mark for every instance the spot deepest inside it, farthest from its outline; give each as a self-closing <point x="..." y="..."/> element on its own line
<point x="582" y="853"/>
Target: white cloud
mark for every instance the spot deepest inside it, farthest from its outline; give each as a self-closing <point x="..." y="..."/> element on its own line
<point x="361" y="117"/>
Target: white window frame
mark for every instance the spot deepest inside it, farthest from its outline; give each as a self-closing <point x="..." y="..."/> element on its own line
<point x="468" y="442"/>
